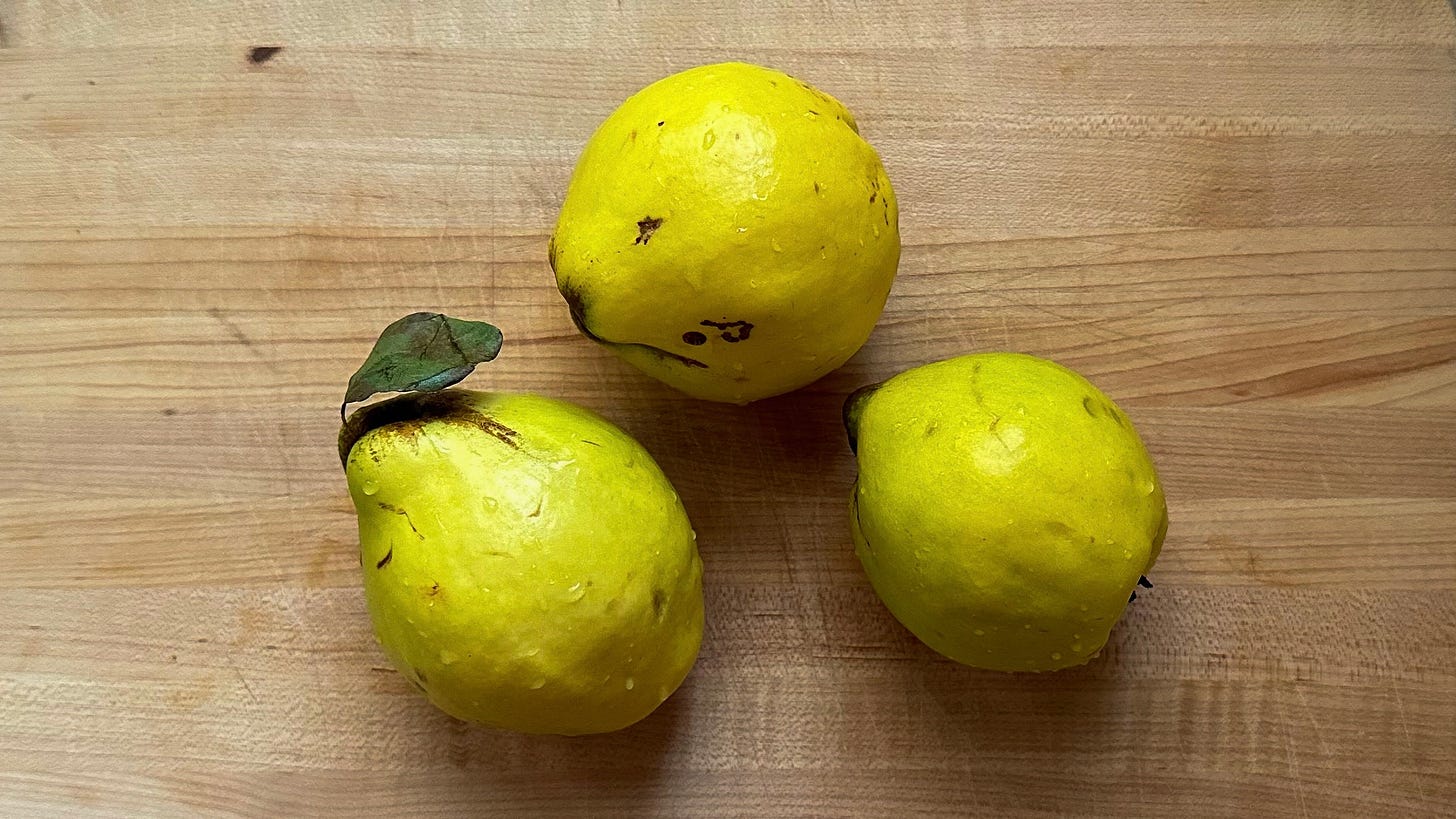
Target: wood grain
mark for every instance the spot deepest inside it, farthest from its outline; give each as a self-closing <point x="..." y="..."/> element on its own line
<point x="1238" y="218"/>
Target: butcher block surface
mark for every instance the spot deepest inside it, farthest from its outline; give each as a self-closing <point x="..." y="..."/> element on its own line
<point x="1236" y="217"/>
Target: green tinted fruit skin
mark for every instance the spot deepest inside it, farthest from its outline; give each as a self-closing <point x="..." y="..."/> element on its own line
<point x="1004" y="510"/>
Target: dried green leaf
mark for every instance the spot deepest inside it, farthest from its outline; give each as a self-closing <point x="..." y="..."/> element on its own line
<point x="423" y="352"/>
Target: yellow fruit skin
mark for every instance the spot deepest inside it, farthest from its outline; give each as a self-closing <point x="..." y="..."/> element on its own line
<point x="773" y="212"/>
<point x="526" y="563"/>
<point x="1005" y="509"/>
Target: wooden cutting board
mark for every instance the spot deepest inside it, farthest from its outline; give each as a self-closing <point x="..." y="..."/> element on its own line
<point x="1237" y="217"/>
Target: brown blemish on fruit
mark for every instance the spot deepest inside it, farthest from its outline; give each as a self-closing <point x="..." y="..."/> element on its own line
<point x="388" y="556"/>
<point x="1089" y="406"/>
<point x="646" y="226"/>
<point x="577" y="305"/>
<point x="659" y="599"/>
<point x="405" y="417"/>
<point x="398" y="511"/>
<point x="1059" y="529"/>
<point x="732" y="331"/>
<point x="694" y="338"/>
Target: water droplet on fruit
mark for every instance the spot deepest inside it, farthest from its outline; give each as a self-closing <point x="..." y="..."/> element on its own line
<point x="576" y="592"/>
<point x="631" y="684"/>
<point x="448" y="657"/>
<point x="1076" y="646"/>
<point x="370" y="487"/>
<point x="531" y="652"/>
<point x="1056" y="655"/>
<point x="776" y="247"/>
<point x="709" y="138"/>
<point x="980" y="632"/>
<point x="489" y="503"/>
<point x="538" y="683"/>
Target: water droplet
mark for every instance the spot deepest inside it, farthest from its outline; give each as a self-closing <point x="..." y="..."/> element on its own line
<point x="1076" y="646"/>
<point x="1084" y="608"/>
<point x="448" y="657"/>
<point x="1126" y="555"/>
<point x="776" y="247"/>
<point x="980" y="632"/>
<point x="742" y="229"/>
<point x="490" y="504"/>
<point x="709" y="138"/>
<point x="370" y="487"/>
<point x="1056" y="655"/>
<point x="531" y="652"/>
<point x="576" y="592"/>
<point x="538" y="683"/>
<point x="631" y="684"/>
<point x="1027" y="626"/>
<point x="877" y="231"/>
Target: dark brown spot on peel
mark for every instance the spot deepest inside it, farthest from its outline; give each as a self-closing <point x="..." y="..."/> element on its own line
<point x="659" y="599"/>
<point x="1089" y="407"/>
<point x="576" y="303"/>
<point x="694" y="338"/>
<point x="407" y="416"/>
<point x="262" y="54"/>
<point x="388" y="556"/>
<point x="732" y="331"/>
<point x="398" y="511"/>
<point x="646" y="226"/>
